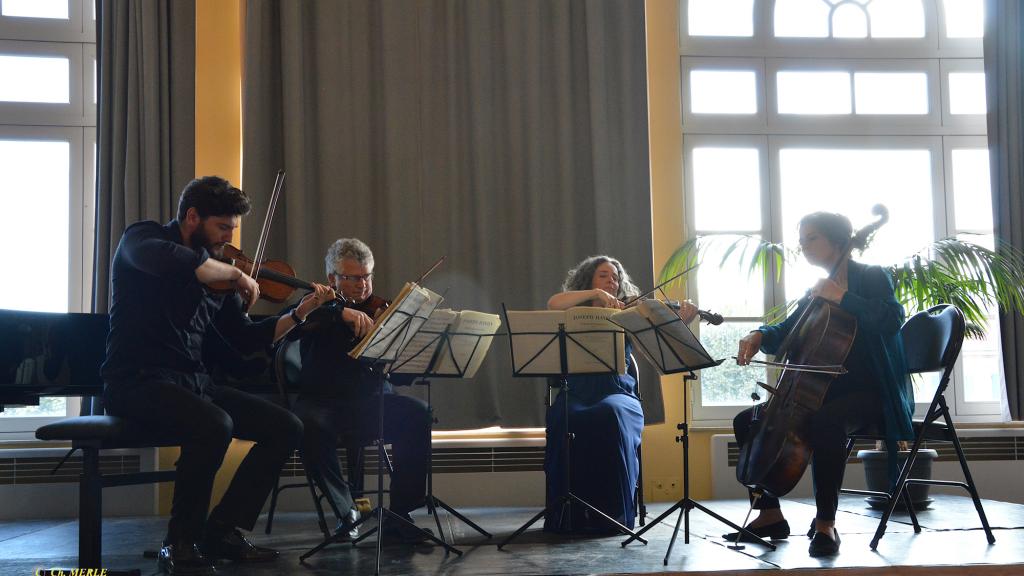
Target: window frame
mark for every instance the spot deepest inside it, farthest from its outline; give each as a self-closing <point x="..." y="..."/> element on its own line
<point x="74" y="123"/>
<point x="937" y="131"/>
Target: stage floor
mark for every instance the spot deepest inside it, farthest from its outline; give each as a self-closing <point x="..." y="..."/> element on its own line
<point x="952" y="542"/>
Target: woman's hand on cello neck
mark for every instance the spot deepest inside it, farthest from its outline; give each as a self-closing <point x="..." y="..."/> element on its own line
<point x="829" y="290"/>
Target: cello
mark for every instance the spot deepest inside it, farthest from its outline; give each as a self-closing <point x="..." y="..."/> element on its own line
<point x="811" y="355"/>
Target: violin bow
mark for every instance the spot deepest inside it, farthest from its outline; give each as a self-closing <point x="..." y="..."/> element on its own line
<point x="431" y="269"/>
<point x="261" y="245"/>
<point x="636" y="299"/>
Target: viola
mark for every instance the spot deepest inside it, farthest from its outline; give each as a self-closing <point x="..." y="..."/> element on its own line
<point x="372" y="306"/>
<point x="775" y="457"/>
<point x="276" y="278"/>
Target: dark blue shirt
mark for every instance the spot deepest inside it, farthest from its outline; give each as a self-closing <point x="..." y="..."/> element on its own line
<point x="160" y="311"/>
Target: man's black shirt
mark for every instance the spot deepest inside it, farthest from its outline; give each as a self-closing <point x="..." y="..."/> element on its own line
<point x="160" y="311"/>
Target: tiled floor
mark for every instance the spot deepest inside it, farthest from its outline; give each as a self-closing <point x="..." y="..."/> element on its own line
<point x="951" y="537"/>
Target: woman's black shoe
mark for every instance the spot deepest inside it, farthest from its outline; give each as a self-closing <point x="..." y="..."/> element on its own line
<point x="823" y="545"/>
<point x="775" y="531"/>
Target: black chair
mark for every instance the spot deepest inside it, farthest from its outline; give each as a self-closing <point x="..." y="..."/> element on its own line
<point x="932" y="341"/>
<point x="90" y="433"/>
<point x="287" y="365"/>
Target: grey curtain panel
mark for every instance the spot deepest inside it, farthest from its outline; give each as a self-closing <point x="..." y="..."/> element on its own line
<point x="1004" y="83"/>
<point x="510" y="136"/>
<point x="146" y="119"/>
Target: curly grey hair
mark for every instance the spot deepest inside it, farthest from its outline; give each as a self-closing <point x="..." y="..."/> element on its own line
<point x="581" y="277"/>
<point x="351" y="248"/>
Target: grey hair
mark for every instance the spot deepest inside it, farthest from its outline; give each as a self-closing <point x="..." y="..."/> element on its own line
<point x="351" y="248"/>
<point x="581" y="277"/>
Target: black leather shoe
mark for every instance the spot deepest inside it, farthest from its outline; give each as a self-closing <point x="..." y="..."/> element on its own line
<point x="811" y="531"/>
<point x="397" y="532"/>
<point x="235" y="547"/>
<point x="184" y="559"/>
<point x="346" y="529"/>
<point x="823" y="545"/>
<point x="775" y="531"/>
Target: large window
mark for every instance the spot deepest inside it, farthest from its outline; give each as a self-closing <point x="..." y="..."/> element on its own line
<point x="47" y="159"/>
<point x="793" y="106"/>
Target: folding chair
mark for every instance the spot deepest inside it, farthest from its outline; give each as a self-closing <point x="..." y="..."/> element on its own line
<point x="932" y="341"/>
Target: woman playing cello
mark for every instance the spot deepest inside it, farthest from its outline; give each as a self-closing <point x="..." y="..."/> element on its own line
<point x="872" y="394"/>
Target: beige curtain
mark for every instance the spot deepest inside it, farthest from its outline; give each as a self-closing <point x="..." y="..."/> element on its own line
<point x="510" y="136"/>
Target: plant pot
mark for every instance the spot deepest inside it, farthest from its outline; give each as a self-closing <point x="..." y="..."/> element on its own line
<point x="876" y="474"/>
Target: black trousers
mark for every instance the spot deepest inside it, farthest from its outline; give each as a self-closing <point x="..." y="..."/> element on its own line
<point x="329" y="422"/>
<point x="204" y="418"/>
<point x="848" y="408"/>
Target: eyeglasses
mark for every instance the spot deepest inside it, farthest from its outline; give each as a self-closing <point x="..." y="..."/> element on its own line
<point x="355" y="277"/>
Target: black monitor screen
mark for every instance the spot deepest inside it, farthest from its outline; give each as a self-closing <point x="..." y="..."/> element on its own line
<point x="51" y="351"/>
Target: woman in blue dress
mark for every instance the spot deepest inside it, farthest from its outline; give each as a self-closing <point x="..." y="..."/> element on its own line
<point x="605" y="416"/>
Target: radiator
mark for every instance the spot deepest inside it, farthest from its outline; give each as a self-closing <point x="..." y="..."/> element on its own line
<point x="29" y="490"/>
<point x="995" y="457"/>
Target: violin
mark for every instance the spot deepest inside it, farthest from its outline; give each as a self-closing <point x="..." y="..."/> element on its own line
<point x="811" y="355"/>
<point x="712" y="318"/>
<point x="276" y="278"/>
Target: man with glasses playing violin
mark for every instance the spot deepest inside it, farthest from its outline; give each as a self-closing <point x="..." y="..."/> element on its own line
<point x="162" y="305"/>
<point x="339" y="397"/>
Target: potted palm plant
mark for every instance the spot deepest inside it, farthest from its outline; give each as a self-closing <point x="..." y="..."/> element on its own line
<point x="951" y="270"/>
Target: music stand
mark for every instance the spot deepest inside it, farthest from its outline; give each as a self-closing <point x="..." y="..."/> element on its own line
<point x="393" y="333"/>
<point x="435" y="349"/>
<point x="560" y="338"/>
<point x="671" y="348"/>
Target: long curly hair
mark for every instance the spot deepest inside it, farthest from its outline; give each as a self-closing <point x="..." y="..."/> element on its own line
<point x="581" y="277"/>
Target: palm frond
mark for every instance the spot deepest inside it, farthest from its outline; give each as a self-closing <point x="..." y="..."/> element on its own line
<point x="951" y="270"/>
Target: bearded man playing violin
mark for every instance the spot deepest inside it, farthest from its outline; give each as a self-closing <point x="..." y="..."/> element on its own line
<point x="339" y="397"/>
<point x="162" y="307"/>
<point x="872" y="394"/>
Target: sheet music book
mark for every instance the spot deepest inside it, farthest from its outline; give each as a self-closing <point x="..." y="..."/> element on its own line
<point x="676" y="350"/>
<point x="393" y="330"/>
<point x="462" y="350"/>
<point x="537" y="351"/>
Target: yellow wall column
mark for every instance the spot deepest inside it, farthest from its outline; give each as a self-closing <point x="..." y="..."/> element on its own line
<point x="662" y="455"/>
<point x="218" y="151"/>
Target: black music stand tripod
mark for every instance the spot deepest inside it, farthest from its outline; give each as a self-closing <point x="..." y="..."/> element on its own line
<point x="564" y="502"/>
<point x="440" y="344"/>
<point x="379" y="366"/>
<point x="662" y="349"/>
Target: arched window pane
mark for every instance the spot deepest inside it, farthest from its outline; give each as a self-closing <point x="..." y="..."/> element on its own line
<point x="891" y="92"/>
<point x="964" y="18"/>
<point x="723" y="92"/>
<point x="801" y="19"/>
<point x="896" y="19"/>
<point x="967" y="93"/>
<point x="813" y="92"/>
<point x="35" y="79"/>
<point x="720" y="18"/>
<point x="35" y="8"/>
<point x="849" y="21"/>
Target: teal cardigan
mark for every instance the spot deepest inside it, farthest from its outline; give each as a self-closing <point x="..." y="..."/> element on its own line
<point x="871" y="300"/>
